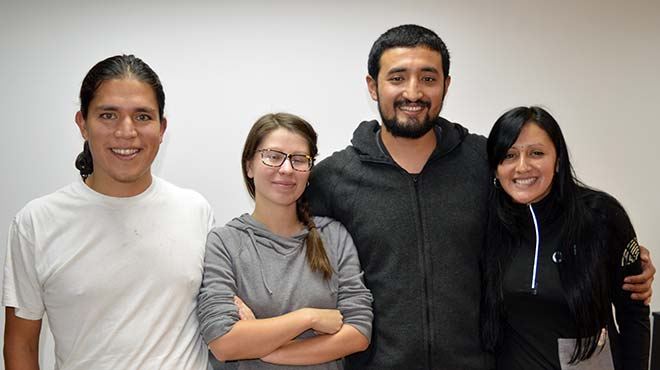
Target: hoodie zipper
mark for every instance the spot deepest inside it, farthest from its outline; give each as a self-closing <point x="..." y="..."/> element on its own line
<point x="425" y="278"/>
<point x="388" y="161"/>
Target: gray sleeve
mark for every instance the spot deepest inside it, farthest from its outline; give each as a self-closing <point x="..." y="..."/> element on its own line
<point x="215" y="303"/>
<point x="353" y="299"/>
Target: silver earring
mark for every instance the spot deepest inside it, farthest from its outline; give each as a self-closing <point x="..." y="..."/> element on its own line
<point x="495" y="183"/>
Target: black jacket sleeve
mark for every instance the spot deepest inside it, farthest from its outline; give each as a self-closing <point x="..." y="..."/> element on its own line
<point x="632" y="316"/>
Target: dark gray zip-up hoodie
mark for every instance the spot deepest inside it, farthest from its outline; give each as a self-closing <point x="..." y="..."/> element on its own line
<point x="272" y="276"/>
<point x="419" y="239"/>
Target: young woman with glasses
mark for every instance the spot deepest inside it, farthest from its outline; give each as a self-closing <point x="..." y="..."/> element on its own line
<point x="282" y="287"/>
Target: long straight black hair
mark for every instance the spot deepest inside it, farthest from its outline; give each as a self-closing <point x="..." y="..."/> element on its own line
<point x="582" y="270"/>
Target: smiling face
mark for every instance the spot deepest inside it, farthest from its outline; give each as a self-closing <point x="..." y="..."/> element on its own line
<point x="410" y="90"/>
<point x="528" y="168"/>
<point x="124" y="132"/>
<point x="278" y="186"/>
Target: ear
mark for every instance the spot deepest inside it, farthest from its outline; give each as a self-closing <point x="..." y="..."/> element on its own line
<point x="447" y="83"/>
<point x="372" y="85"/>
<point x="248" y="166"/>
<point x="82" y="124"/>
<point x="163" y="127"/>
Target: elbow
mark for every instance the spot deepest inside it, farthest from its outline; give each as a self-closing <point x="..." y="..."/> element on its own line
<point x="222" y="351"/>
<point x="360" y="343"/>
<point x="222" y="354"/>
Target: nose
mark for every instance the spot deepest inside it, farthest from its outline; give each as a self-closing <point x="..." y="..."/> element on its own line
<point x="523" y="163"/>
<point x="286" y="167"/>
<point x="412" y="91"/>
<point x="125" y="128"/>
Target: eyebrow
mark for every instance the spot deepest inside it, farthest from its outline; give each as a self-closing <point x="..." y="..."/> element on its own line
<point x="403" y="69"/>
<point x="115" y="108"/>
<point x="527" y="146"/>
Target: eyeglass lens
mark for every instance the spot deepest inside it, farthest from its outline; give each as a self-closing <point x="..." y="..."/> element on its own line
<point x="274" y="158"/>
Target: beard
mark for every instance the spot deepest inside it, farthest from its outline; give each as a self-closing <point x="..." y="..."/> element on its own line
<point x="412" y="128"/>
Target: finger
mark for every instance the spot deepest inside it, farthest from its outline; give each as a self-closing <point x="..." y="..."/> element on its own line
<point x="646" y="297"/>
<point x="646" y="275"/>
<point x="643" y="287"/>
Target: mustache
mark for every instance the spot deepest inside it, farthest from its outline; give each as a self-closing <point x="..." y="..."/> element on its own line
<point x="423" y="103"/>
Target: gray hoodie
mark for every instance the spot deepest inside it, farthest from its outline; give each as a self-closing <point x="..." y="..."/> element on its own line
<point x="271" y="274"/>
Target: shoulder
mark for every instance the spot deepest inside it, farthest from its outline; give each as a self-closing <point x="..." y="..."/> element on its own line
<point x="472" y="141"/>
<point x="167" y="187"/>
<point x="602" y="204"/>
<point x="181" y="195"/>
<point x="48" y="206"/>
<point x="457" y="139"/>
<point x="335" y="162"/>
<point x="333" y="232"/>
<point x="333" y="175"/>
<point x="608" y="214"/>
<point x="328" y="225"/>
<point x="363" y="143"/>
<point x="227" y="238"/>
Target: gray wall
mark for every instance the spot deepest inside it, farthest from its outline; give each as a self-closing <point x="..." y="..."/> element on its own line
<point x="592" y="63"/>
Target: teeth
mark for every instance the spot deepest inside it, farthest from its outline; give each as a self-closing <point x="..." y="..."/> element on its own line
<point x="528" y="181"/>
<point x="411" y="109"/>
<point x="124" y="151"/>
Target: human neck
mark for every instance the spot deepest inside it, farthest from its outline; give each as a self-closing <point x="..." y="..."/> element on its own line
<point x="113" y="188"/>
<point x="282" y="221"/>
<point x="410" y="154"/>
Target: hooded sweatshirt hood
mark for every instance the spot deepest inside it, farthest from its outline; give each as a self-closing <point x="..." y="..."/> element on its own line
<point x="261" y="237"/>
<point x="450" y="135"/>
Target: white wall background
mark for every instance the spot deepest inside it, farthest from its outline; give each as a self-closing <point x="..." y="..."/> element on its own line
<point x="593" y="63"/>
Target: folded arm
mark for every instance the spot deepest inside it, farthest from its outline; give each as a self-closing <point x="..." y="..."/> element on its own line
<point x="256" y="338"/>
<point x="319" y="349"/>
<point x="354" y="301"/>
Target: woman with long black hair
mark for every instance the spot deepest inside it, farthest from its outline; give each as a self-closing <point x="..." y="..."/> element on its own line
<point x="556" y="256"/>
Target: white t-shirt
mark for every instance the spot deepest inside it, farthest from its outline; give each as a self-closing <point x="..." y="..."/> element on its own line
<point x="117" y="277"/>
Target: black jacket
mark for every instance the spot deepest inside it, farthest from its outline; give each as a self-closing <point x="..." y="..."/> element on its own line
<point x="538" y="328"/>
<point x="418" y="239"/>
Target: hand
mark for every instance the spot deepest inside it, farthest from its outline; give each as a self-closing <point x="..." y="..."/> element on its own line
<point x="326" y="321"/>
<point x="270" y="358"/>
<point x="641" y="285"/>
<point x="244" y="312"/>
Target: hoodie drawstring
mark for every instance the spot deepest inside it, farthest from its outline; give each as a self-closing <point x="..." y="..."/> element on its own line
<point x="261" y="262"/>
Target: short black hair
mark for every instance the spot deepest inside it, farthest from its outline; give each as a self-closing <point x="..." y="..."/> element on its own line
<point x="407" y="36"/>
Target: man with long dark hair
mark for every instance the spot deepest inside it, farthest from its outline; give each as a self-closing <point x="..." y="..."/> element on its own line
<point x="114" y="260"/>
